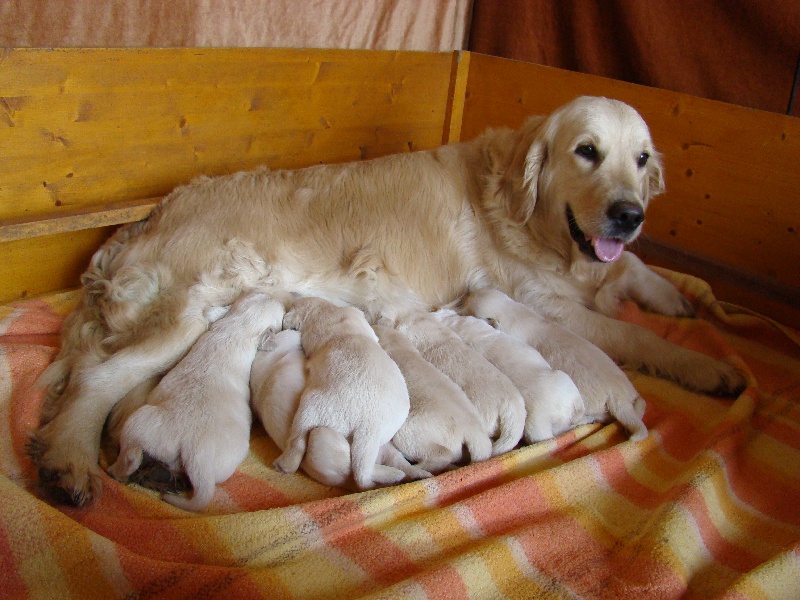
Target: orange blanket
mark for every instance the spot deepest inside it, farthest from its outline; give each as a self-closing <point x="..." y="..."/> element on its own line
<point x="707" y="506"/>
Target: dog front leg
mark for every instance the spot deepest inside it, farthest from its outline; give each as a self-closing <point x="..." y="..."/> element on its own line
<point x="631" y="278"/>
<point x="66" y="449"/>
<point x="639" y="348"/>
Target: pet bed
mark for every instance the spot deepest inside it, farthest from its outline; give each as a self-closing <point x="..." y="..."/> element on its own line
<point x="708" y="506"/>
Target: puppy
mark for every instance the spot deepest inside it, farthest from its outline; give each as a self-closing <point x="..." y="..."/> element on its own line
<point x="441" y="420"/>
<point x="277" y="380"/>
<point x="353" y="387"/>
<point x="499" y="404"/>
<point x="542" y="213"/>
<point x="605" y="389"/>
<point x="553" y="403"/>
<point x="198" y="416"/>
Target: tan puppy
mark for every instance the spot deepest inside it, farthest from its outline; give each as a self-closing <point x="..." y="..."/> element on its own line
<point x="542" y="213"/>
<point x="198" y="416"/>
<point x="606" y="390"/>
<point x="442" y="420"/>
<point x="552" y="401"/>
<point x="499" y="404"/>
<point x="353" y="388"/>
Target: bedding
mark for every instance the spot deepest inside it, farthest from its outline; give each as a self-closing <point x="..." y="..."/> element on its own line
<point x="707" y="506"/>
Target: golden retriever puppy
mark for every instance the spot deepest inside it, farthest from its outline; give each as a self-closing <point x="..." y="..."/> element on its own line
<point x="441" y="421"/>
<point x="198" y="416"/>
<point x="606" y="390"/>
<point x="277" y="381"/>
<point x="542" y="213"/>
<point x="499" y="404"/>
<point x="552" y="402"/>
<point x="353" y="387"/>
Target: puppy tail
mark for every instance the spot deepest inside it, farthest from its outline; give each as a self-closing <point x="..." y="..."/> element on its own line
<point x="629" y="414"/>
<point x="478" y="445"/>
<point x="203" y="486"/>
<point x="512" y="426"/>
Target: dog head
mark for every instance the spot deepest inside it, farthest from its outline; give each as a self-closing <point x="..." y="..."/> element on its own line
<point x="586" y="173"/>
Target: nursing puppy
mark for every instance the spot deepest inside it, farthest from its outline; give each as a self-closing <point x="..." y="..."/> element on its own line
<point x="499" y="404"/>
<point x="277" y="380"/>
<point x="353" y="387"/>
<point x="606" y="390"/>
<point x="552" y="402"/>
<point x="198" y="416"/>
<point x="441" y="421"/>
<point x="542" y="213"/>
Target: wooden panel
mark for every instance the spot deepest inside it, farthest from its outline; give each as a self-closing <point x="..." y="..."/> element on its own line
<point x="92" y="137"/>
<point x="80" y="127"/>
<point x="733" y="182"/>
<point x="40" y="265"/>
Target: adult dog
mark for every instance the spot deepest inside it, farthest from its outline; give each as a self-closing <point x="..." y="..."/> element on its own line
<point x="542" y="213"/>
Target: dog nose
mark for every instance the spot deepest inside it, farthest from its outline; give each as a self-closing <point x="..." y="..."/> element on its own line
<point x="626" y="216"/>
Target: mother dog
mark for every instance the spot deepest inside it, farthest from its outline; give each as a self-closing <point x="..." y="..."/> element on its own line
<point x="542" y="214"/>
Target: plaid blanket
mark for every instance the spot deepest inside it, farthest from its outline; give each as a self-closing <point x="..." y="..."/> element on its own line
<point x="708" y="506"/>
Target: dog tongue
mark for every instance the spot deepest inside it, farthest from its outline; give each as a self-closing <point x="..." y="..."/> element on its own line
<point x="606" y="249"/>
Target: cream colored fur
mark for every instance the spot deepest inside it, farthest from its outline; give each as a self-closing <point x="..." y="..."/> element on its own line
<point x="553" y="404"/>
<point x="198" y="416"/>
<point x="499" y="404"/>
<point x="606" y="390"/>
<point x="352" y="387"/>
<point x="391" y="235"/>
<point x="441" y="421"/>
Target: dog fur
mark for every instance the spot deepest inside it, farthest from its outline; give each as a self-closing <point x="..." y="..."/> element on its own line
<point x="352" y="387"/>
<point x="606" y="390"/>
<point x="553" y="404"/>
<point x="441" y="421"/>
<point x="198" y="416"/>
<point x="499" y="404"/>
<point x="390" y="235"/>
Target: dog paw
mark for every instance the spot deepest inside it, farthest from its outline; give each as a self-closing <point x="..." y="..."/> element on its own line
<point x="69" y="472"/>
<point x="715" y="377"/>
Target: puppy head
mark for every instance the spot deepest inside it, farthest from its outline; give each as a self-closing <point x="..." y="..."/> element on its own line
<point x="587" y="173"/>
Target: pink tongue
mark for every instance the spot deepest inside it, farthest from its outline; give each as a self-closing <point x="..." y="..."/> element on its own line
<point x="606" y="249"/>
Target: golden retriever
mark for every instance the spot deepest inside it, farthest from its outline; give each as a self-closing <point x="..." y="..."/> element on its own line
<point x="542" y="213"/>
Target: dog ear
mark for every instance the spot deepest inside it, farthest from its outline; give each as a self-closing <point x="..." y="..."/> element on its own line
<point x="521" y="180"/>
<point x="655" y="176"/>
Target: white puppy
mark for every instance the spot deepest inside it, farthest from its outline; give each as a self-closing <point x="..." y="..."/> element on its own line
<point x="552" y="401"/>
<point x="441" y="420"/>
<point x="198" y="416"/>
<point x="353" y="388"/>
<point x="277" y="380"/>
<point x="499" y="404"/>
<point x="606" y="390"/>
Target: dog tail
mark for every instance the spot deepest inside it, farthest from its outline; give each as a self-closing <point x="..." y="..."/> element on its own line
<point x="511" y="425"/>
<point x="478" y="444"/>
<point x="200" y="474"/>
<point x="629" y="414"/>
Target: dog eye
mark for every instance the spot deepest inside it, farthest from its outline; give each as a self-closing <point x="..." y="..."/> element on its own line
<point x="642" y="161"/>
<point x="587" y="151"/>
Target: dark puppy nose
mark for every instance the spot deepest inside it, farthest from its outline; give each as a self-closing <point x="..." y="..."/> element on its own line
<point x="625" y="216"/>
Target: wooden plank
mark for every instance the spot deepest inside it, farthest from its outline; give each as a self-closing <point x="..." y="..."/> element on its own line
<point x="458" y="88"/>
<point x="83" y="127"/>
<point x="76" y="219"/>
<point x="733" y="186"/>
<point x="40" y="265"/>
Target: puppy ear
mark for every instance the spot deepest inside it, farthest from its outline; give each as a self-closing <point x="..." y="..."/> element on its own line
<point x="521" y="180"/>
<point x="655" y="176"/>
